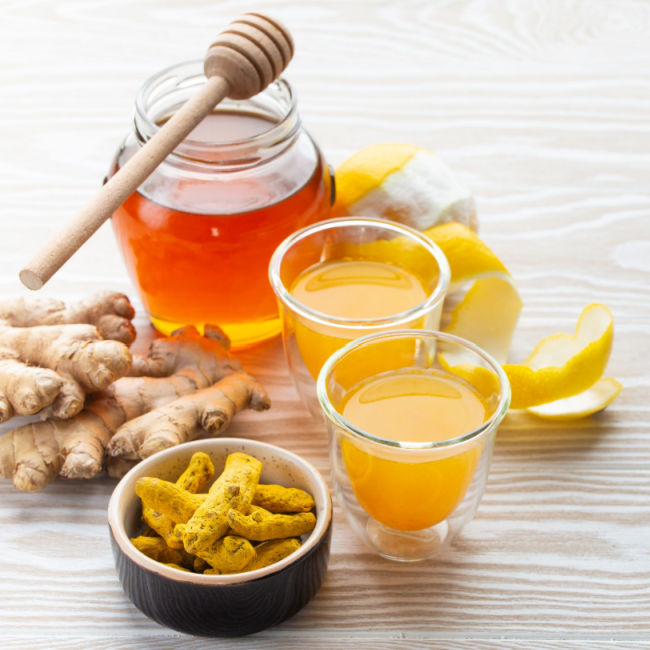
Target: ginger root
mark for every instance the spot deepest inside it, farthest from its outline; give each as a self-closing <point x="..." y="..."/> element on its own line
<point x="52" y="356"/>
<point x="176" y="369"/>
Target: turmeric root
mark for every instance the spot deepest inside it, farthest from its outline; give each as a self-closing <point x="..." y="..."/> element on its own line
<point x="235" y="487"/>
<point x="197" y="474"/>
<point x="194" y="479"/>
<point x="156" y="549"/>
<point x="261" y="525"/>
<point x="168" y="498"/>
<point x="273" y="551"/>
<point x="215" y="530"/>
<point x="229" y="554"/>
<point x="279" y="499"/>
<point x="52" y="356"/>
<point x="33" y="455"/>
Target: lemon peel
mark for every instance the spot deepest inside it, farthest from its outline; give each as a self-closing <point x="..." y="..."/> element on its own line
<point x="403" y="183"/>
<point x="562" y="377"/>
<point x="593" y="400"/>
<point x="563" y="365"/>
<point x="467" y="254"/>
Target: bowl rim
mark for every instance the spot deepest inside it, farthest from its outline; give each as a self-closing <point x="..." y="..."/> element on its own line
<point x="115" y="521"/>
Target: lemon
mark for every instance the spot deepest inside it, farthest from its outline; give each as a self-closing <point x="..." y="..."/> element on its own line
<point x="590" y="401"/>
<point x="403" y="183"/>
<point x="562" y="377"/>
<point x="563" y="365"/>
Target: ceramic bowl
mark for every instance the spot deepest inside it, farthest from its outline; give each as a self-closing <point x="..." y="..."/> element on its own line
<point x="221" y="605"/>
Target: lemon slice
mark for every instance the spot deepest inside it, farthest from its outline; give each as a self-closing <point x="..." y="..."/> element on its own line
<point x="563" y="365"/>
<point x="590" y="401"/>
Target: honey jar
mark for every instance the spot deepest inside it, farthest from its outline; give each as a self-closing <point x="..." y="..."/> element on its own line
<point x="198" y="234"/>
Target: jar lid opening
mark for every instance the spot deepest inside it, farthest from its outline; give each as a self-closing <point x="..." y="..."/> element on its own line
<point x="237" y="133"/>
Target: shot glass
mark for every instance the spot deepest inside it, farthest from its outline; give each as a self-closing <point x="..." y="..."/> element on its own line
<point x="310" y="337"/>
<point x="408" y="498"/>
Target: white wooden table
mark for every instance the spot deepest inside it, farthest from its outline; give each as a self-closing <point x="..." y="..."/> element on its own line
<point x="543" y="108"/>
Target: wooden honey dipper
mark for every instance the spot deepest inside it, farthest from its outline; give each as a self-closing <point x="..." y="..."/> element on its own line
<point x="246" y="57"/>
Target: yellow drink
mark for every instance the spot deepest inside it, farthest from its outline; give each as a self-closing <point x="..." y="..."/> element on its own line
<point x="411" y="405"/>
<point x="350" y="289"/>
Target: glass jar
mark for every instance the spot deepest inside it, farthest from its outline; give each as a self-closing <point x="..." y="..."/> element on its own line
<point x="198" y="234"/>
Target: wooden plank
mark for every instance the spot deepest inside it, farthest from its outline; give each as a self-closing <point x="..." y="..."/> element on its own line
<point x="541" y="108"/>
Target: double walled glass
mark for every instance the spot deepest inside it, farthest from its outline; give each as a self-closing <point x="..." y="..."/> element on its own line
<point x="198" y="234"/>
<point x="310" y="336"/>
<point x="408" y="500"/>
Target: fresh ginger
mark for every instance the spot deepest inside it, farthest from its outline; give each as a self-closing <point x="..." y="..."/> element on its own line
<point x="210" y="409"/>
<point x="261" y="525"/>
<point x="51" y="356"/>
<point x="184" y="364"/>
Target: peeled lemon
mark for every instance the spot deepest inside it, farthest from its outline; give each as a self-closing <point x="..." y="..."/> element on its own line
<point x="403" y="183"/>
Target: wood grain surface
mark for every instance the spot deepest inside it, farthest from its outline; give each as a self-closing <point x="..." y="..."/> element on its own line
<point x="542" y="107"/>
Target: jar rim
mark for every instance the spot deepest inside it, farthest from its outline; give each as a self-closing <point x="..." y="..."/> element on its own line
<point x="277" y="103"/>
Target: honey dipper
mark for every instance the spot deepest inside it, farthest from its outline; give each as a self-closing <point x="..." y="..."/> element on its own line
<point x="246" y="57"/>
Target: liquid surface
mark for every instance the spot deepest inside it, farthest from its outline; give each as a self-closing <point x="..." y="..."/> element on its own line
<point x="358" y="289"/>
<point x="415" y="406"/>
<point x="208" y="263"/>
<point x="399" y="491"/>
<point x="223" y="126"/>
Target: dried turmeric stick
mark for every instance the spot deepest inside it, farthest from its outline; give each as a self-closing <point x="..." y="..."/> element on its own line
<point x="273" y="551"/>
<point x="261" y="525"/>
<point x="168" y="498"/>
<point x="229" y="554"/>
<point x="157" y="549"/>
<point x="279" y="499"/>
<point x="175" y="538"/>
<point x="235" y="487"/>
<point x="176" y="566"/>
<point x="197" y="474"/>
<point x="194" y="479"/>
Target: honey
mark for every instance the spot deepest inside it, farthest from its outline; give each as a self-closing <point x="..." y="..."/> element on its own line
<point x="198" y="235"/>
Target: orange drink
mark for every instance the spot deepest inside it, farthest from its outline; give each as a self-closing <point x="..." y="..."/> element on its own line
<point x="412" y="406"/>
<point x="340" y="279"/>
<point x="349" y="289"/>
<point x="412" y="417"/>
